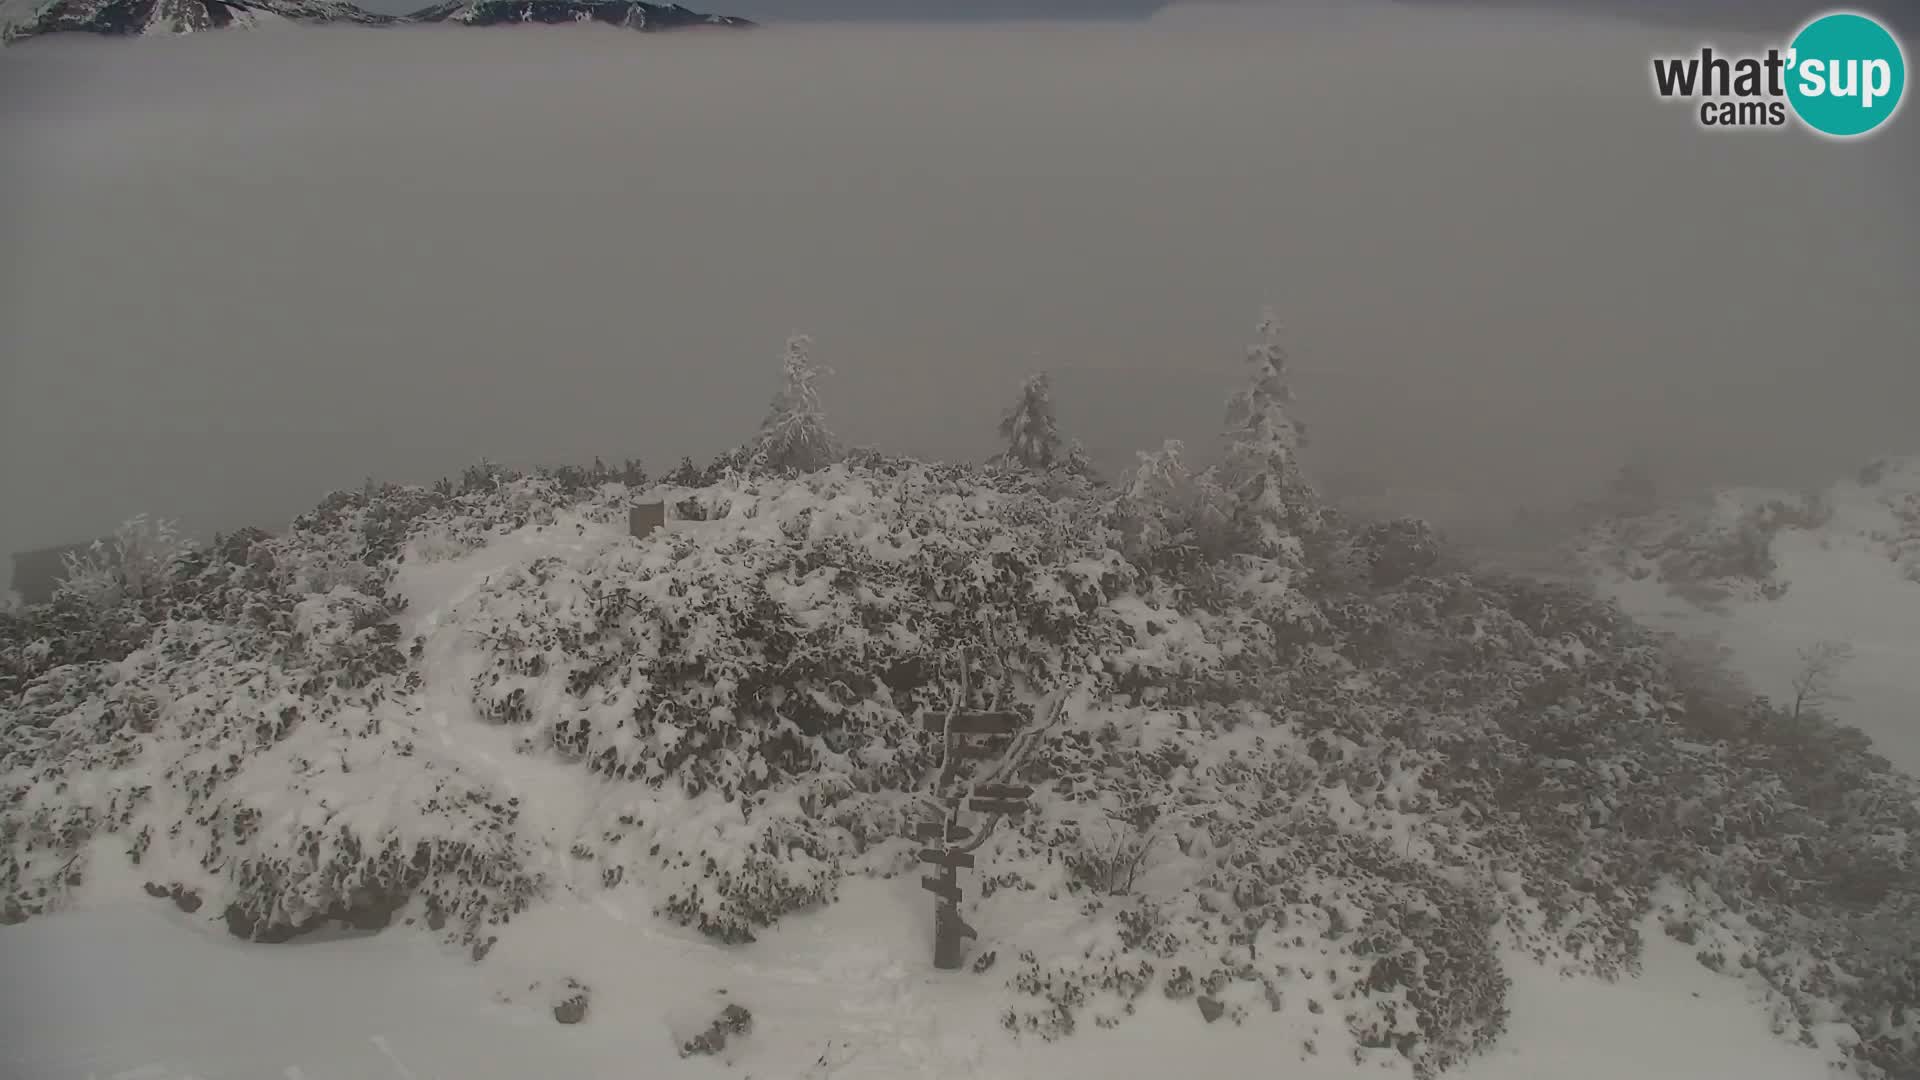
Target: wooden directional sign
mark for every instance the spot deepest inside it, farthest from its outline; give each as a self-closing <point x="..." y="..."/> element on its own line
<point x="1002" y="791"/>
<point x="998" y="806"/>
<point x="943" y="857"/>
<point x="934" y="830"/>
<point x="974" y="723"/>
<point x="941" y="889"/>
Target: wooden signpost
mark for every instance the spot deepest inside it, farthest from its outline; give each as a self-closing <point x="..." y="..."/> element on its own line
<point x="949" y="849"/>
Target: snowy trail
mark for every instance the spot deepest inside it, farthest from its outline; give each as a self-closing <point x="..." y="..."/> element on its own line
<point x="556" y="799"/>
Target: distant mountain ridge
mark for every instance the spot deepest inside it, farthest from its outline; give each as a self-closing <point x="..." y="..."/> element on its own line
<point x="122" y="18"/>
<point x="139" y="17"/>
<point x="632" y="14"/>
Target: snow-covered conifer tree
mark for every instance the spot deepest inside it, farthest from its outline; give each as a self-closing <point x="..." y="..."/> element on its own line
<point x="794" y="435"/>
<point x="1274" y="499"/>
<point x="1032" y="433"/>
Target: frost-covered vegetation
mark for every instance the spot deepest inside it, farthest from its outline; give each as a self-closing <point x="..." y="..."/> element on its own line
<point x="1708" y="551"/>
<point x="1299" y="766"/>
<point x="1719" y="548"/>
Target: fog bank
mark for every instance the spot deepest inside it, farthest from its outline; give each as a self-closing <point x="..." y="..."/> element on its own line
<point x="237" y="270"/>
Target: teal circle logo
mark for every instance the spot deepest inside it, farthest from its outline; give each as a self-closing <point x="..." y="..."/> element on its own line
<point x="1845" y="74"/>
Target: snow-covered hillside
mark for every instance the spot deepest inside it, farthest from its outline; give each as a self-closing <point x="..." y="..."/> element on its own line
<point x="1841" y="567"/>
<point x="1303" y="793"/>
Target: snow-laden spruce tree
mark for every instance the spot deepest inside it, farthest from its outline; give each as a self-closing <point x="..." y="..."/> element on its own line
<point x="794" y="436"/>
<point x="1274" y="500"/>
<point x="1030" y="429"/>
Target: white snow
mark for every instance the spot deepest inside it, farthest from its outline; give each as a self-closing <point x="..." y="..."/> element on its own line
<point x="146" y="991"/>
<point x="1843" y="585"/>
<point x="140" y="990"/>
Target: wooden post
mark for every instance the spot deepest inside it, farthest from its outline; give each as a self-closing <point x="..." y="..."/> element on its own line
<point x="947" y="928"/>
<point x="643" y="518"/>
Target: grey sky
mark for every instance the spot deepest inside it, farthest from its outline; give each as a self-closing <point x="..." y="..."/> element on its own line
<point x="242" y="269"/>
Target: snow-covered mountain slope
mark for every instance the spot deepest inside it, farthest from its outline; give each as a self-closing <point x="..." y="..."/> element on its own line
<point x="124" y="17"/>
<point x="631" y="14"/>
<point x="1313" y="795"/>
<point x="30" y="18"/>
<point x="1841" y="567"/>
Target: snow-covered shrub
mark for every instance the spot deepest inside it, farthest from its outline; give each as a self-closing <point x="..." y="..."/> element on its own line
<point x="261" y="700"/>
<point x="781" y="865"/>
<point x="1708" y="551"/>
<point x="268" y="783"/>
<point x="1275" y="788"/>
<point x="1392" y="552"/>
<point x="792" y="632"/>
<point x="798" y="635"/>
<point x="1255" y="885"/>
<point x="1894" y="485"/>
<point x="133" y="567"/>
<point x="41" y="638"/>
<point x="1171" y="518"/>
<point x="576" y="480"/>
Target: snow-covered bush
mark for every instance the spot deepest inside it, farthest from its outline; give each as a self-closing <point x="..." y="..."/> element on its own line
<point x="1894" y="484"/>
<point x="798" y="636"/>
<point x="1252" y="883"/>
<point x="1320" y="773"/>
<point x="1708" y="551"/>
<point x="133" y="567"/>
<point x="1170" y="517"/>
<point x="268" y="786"/>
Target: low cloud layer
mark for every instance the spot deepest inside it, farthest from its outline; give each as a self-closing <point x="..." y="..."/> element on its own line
<point x="241" y="269"/>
